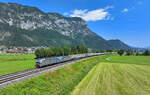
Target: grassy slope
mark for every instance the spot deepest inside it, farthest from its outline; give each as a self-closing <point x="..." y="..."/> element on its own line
<point x="16" y="62"/>
<point x="127" y="75"/>
<point x="58" y="82"/>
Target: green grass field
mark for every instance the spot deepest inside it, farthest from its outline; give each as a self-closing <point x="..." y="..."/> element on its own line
<point x="126" y="75"/>
<point x="58" y="82"/>
<point x="10" y="63"/>
<point x="103" y="75"/>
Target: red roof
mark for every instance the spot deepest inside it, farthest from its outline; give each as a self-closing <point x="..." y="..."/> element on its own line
<point x="17" y="51"/>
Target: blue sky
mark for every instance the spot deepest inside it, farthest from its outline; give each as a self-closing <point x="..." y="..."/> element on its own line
<point x="127" y="20"/>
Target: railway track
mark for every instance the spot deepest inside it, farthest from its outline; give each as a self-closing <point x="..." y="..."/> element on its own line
<point x="24" y="75"/>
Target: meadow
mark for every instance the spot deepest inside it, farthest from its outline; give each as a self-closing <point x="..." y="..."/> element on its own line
<point x="102" y="75"/>
<point x="117" y="75"/>
<point x="10" y="63"/>
<point x="59" y="82"/>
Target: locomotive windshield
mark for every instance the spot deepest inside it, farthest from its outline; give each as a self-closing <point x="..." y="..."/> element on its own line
<point x="39" y="60"/>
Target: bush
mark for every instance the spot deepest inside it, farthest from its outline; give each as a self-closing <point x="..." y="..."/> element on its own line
<point x="129" y="52"/>
<point x="120" y="52"/>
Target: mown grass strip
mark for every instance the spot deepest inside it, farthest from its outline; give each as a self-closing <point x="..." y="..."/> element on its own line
<point x="58" y="82"/>
<point x="115" y="79"/>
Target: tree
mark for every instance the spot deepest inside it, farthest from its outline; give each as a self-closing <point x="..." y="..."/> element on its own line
<point x="109" y="50"/>
<point x="82" y="49"/>
<point x="66" y="51"/>
<point x="74" y="50"/>
<point x="78" y="49"/>
<point x="137" y="53"/>
<point x="120" y="52"/>
<point x="59" y="51"/>
<point x="50" y="52"/>
<point x="146" y="53"/>
<point x="41" y="53"/>
<point x="54" y="51"/>
<point x="129" y="52"/>
<point x="37" y="53"/>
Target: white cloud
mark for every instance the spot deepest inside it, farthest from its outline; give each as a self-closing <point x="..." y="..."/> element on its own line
<point x="78" y="12"/>
<point x="94" y="15"/>
<point x="125" y="10"/>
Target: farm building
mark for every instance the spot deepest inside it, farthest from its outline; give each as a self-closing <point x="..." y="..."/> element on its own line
<point x="17" y="51"/>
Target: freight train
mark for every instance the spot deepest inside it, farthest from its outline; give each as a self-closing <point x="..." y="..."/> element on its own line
<point x="42" y="62"/>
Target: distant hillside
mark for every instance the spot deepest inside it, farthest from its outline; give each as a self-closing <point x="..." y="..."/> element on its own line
<point x="28" y="26"/>
<point x="117" y="44"/>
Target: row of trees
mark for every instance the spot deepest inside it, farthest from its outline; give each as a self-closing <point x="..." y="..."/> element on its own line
<point x="60" y="51"/>
<point x="146" y="53"/>
<point x="133" y="52"/>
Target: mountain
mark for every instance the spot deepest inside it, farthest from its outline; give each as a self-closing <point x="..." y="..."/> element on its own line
<point x="28" y="26"/>
<point x="117" y="44"/>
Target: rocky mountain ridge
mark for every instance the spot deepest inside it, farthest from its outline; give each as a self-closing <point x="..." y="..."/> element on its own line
<point x="28" y="26"/>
